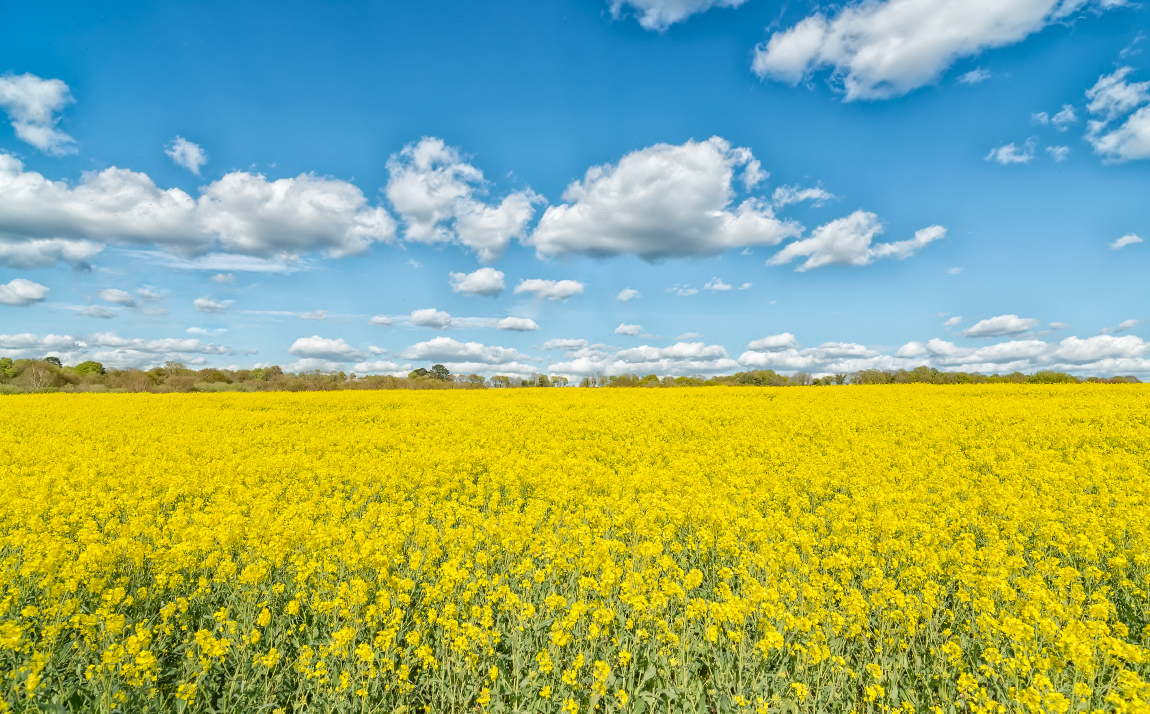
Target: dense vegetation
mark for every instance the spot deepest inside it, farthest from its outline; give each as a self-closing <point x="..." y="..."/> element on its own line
<point x="49" y="374"/>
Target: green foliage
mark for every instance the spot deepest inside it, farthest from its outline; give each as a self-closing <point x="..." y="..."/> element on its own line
<point x="440" y="372"/>
<point x="52" y="359"/>
<point x="7" y="368"/>
<point x="89" y="367"/>
<point x="419" y="373"/>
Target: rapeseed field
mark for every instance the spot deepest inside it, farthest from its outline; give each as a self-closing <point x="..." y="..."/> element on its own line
<point x="869" y="549"/>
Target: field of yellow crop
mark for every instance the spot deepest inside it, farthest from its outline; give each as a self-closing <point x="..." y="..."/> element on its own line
<point x="981" y="548"/>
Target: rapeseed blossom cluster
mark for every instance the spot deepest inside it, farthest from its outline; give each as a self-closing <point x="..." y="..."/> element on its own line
<point x="915" y="549"/>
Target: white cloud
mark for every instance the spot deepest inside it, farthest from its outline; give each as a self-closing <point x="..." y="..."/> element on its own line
<point x="485" y="281"/>
<point x="1011" y="154"/>
<point x="629" y="330"/>
<point x="1112" y="97"/>
<point x="32" y="105"/>
<point x="110" y="349"/>
<point x="773" y="343"/>
<point x="461" y="357"/>
<point x="380" y="320"/>
<point x="206" y="332"/>
<point x="21" y="292"/>
<point x="1058" y="153"/>
<point x="430" y="317"/>
<point x="883" y="49"/>
<point x="223" y="278"/>
<point x="687" y="336"/>
<point x="716" y="285"/>
<point x="518" y="324"/>
<point x="564" y="344"/>
<point x="316" y="347"/>
<point x="1122" y="327"/>
<point x="786" y="195"/>
<point x="1000" y="326"/>
<point x="550" y="289"/>
<point x="1059" y="326"/>
<point x="847" y="241"/>
<point x="185" y="153"/>
<point x="1040" y="118"/>
<point x="954" y="271"/>
<point x="382" y="367"/>
<point x="1128" y="239"/>
<point x="680" y="358"/>
<point x="212" y="307"/>
<point x="1063" y="119"/>
<point x="45" y="252"/>
<point x="658" y="15"/>
<point x="147" y="294"/>
<point x="117" y="297"/>
<point x="97" y="311"/>
<point x="659" y="202"/>
<point x="279" y="265"/>
<point x="974" y="76"/>
<point x="376" y="350"/>
<point x="241" y="213"/>
<point x="683" y="290"/>
<point x="314" y="315"/>
<point x="434" y="191"/>
<point x="628" y="294"/>
<point x="952" y="322"/>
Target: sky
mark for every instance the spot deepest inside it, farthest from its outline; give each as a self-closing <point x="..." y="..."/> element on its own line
<point x="575" y="187"/>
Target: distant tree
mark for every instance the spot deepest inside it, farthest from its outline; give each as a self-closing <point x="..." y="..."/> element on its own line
<point x="440" y="372"/>
<point x="557" y="381"/>
<point x="501" y="381"/>
<point x="418" y="373"/>
<point x="274" y="371"/>
<point x="840" y="377"/>
<point x="259" y="374"/>
<point x="7" y="368"/>
<point x="52" y="359"/>
<point x="37" y="375"/>
<point x="474" y="379"/>
<point x="1046" y="376"/>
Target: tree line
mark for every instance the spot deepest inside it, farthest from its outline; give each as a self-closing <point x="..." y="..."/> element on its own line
<point x="50" y="374"/>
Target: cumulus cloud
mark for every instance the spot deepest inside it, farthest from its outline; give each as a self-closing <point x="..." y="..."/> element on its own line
<point x="773" y="343"/>
<point x="45" y="252"/>
<point x="1121" y="327"/>
<point x="680" y="358"/>
<point x="240" y="213"/>
<point x="1128" y="239"/>
<point x="380" y="320"/>
<point x="430" y="317"/>
<point x="550" y="289"/>
<point x="1058" y="153"/>
<point x="658" y="15"/>
<point x="316" y="347"/>
<point x="716" y="285"/>
<point x="1011" y="154"/>
<point x="382" y="367"/>
<point x="1063" y="119"/>
<point x="1110" y="99"/>
<point x="117" y="297"/>
<point x="212" y="307"/>
<point x="953" y="322"/>
<point x="109" y="348"/>
<point x="629" y="330"/>
<point x="313" y="315"/>
<point x="32" y="105"/>
<point x="21" y="292"/>
<point x="628" y="294"/>
<point x="882" y="49"/>
<point x="223" y="278"/>
<point x="463" y="357"/>
<point x="1000" y="326"/>
<point x="848" y="241"/>
<point x="660" y="202"/>
<point x="518" y="324"/>
<point x="786" y="195"/>
<point x="185" y="153"/>
<point x="485" y="281"/>
<point x="434" y="190"/>
<point x="687" y="336"/>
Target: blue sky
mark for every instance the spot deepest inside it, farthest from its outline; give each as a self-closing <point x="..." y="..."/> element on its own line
<point x="376" y="187"/>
